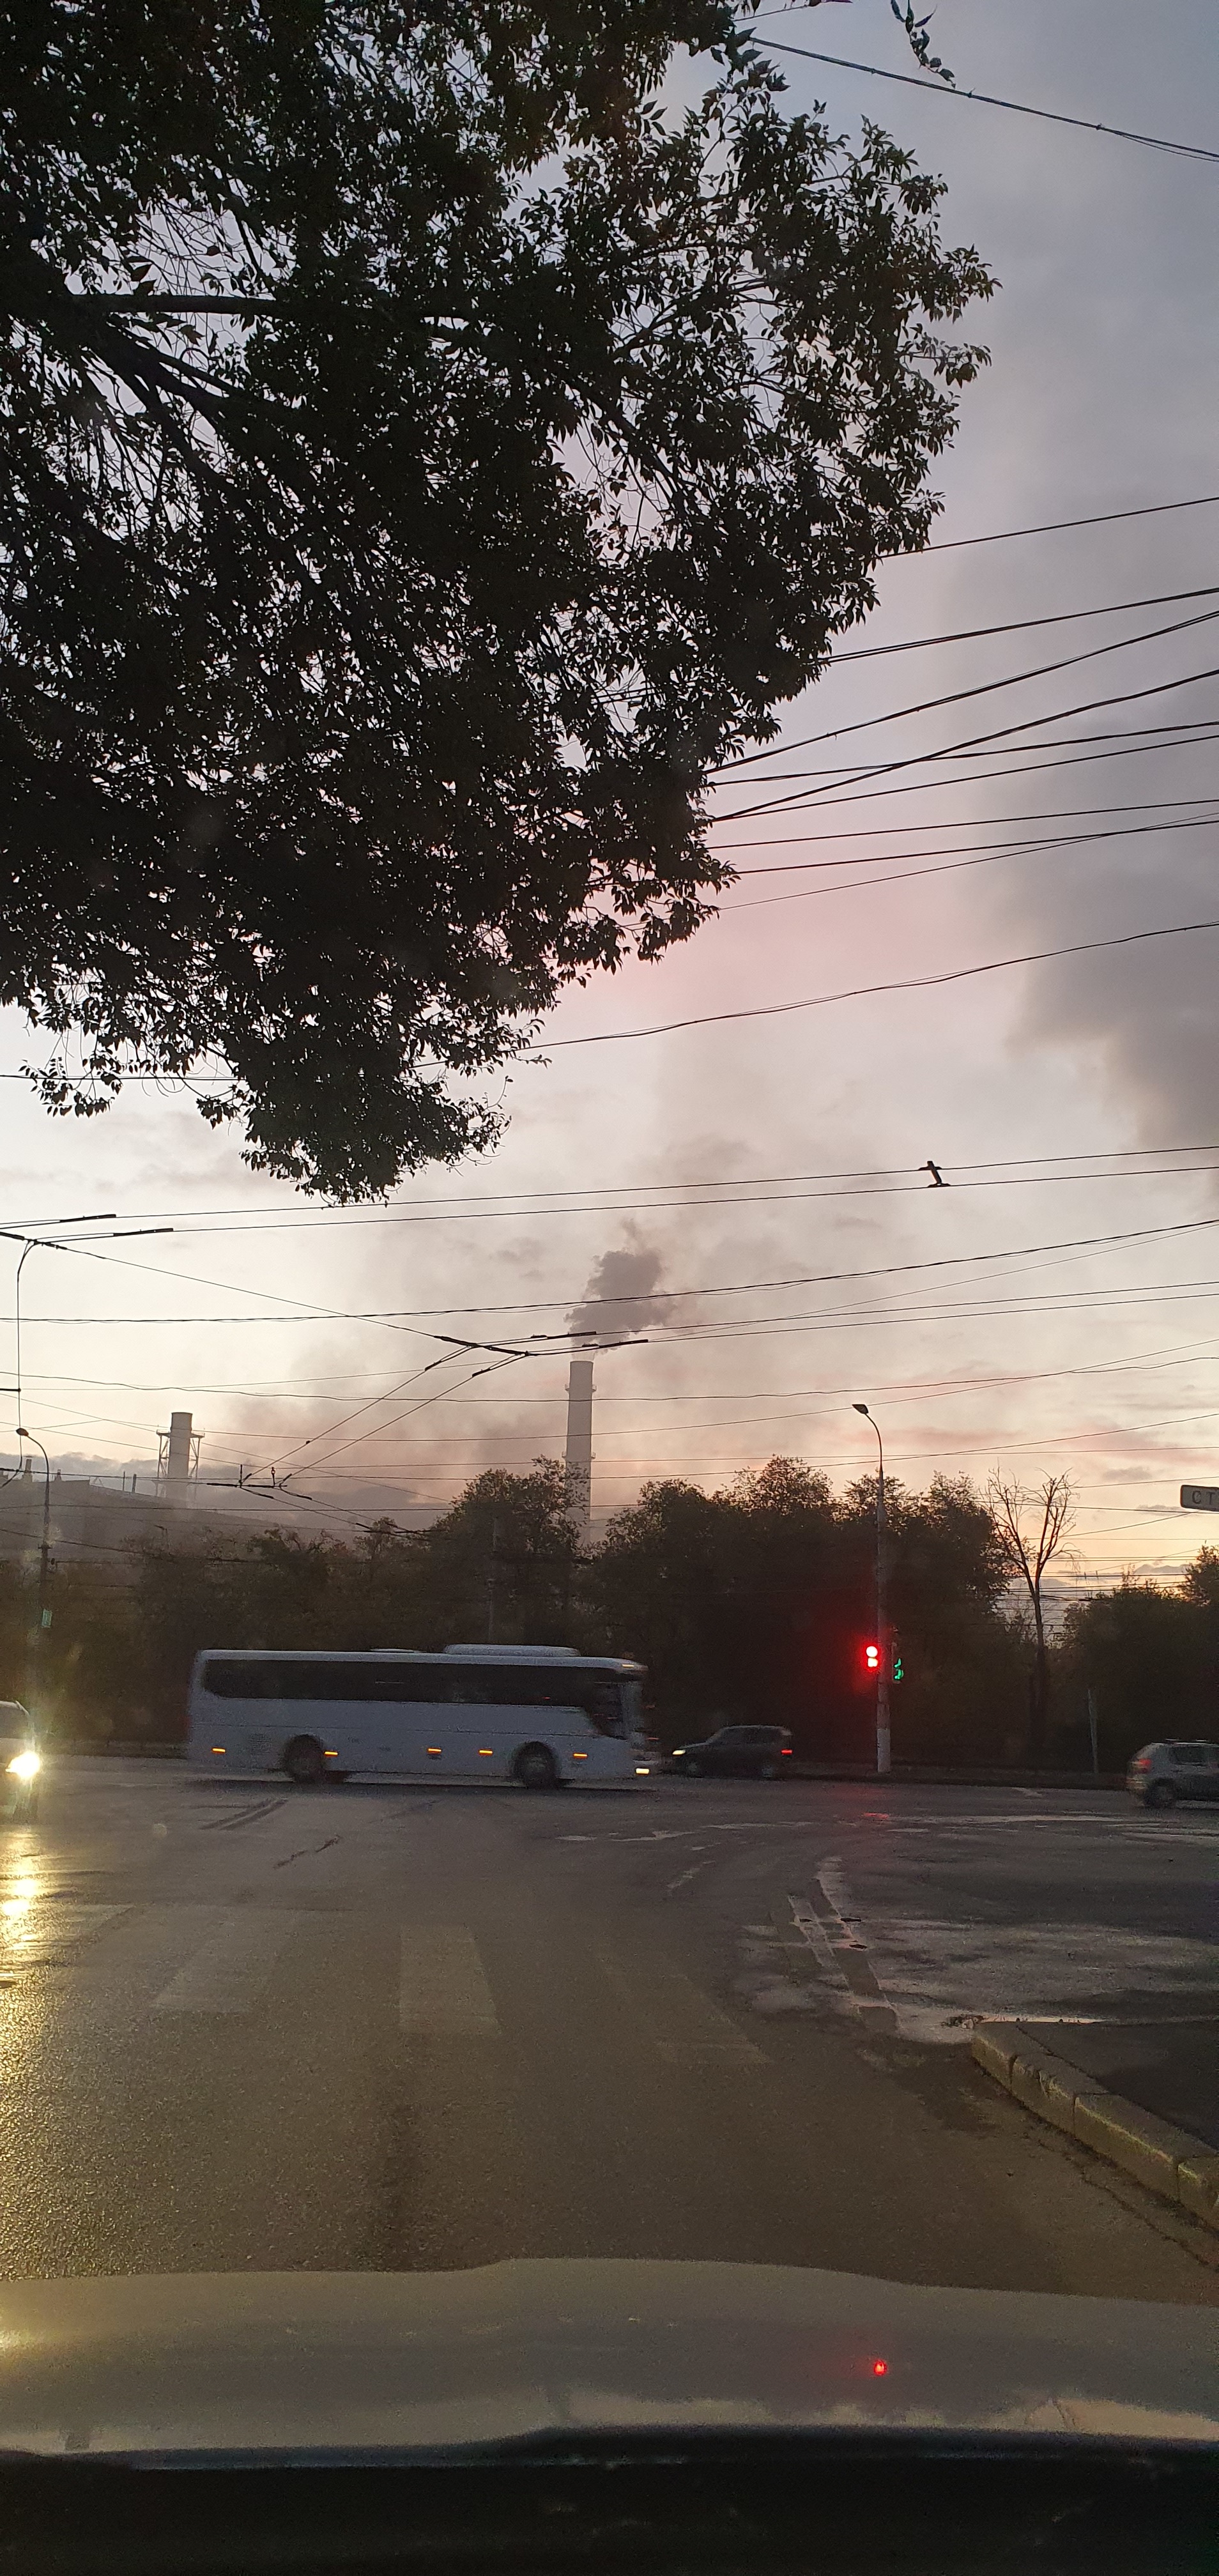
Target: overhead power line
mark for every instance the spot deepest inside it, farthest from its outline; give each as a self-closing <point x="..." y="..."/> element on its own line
<point x="980" y="689"/>
<point x="1081" y="1245"/>
<point x="984" y="98"/>
<point x="595" y="1198"/>
<point x="972" y="851"/>
<point x="1058" y="527"/>
<point x="978" y="742"/>
<point x="847" y="785"/>
<point x="897" y="984"/>
<point x="1016" y="626"/>
<point x="961" y="823"/>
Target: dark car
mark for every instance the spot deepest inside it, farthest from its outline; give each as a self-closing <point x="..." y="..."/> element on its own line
<point x="735" y="1753"/>
<point x="1162" y="1773"/>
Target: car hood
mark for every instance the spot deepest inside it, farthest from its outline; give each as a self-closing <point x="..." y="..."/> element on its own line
<point x="555" y="2355"/>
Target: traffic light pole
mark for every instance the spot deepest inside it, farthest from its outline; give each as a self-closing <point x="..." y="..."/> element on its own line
<point x="38" y="1657"/>
<point x="883" y="1640"/>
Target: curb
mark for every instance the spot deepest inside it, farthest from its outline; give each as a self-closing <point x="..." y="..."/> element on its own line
<point x="1165" y="2160"/>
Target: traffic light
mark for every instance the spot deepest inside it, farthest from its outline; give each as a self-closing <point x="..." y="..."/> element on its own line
<point x="899" y="1669"/>
<point x="871" y="1657"/>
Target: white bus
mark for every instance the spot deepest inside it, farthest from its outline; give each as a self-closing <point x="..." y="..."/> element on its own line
<point x="539" y="1715"/>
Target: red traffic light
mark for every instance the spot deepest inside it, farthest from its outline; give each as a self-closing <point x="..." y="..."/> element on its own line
<point x="871" y="1656"/>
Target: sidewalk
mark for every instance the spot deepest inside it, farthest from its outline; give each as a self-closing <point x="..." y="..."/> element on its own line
<point x="1142" y="2092"/>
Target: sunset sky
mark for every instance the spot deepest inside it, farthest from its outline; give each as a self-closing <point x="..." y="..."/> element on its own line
<point x="742" y="1181"/>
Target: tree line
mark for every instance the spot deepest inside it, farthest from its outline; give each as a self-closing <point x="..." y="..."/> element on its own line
<point x="752" y="1602"/>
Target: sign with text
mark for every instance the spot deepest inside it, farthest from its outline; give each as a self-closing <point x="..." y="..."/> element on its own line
<point x="1200" y="1498"/>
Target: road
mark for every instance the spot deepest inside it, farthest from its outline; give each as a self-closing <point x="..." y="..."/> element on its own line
<point x="391" y="2027"/>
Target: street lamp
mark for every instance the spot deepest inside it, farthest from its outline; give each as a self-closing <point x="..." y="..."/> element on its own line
<point x="883" y="1658"/>
<point x="45" y="1550"/>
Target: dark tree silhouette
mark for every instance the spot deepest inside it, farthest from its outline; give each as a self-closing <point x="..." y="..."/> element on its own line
<point x="421" y="463"/>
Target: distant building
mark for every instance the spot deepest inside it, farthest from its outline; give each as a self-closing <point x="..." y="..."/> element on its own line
<point x="87" y="1519"/>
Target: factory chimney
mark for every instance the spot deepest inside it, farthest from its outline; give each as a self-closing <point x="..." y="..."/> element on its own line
<point x="178" y="1462"/>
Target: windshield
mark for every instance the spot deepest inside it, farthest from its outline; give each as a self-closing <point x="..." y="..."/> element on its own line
<point x="608" y="682"/>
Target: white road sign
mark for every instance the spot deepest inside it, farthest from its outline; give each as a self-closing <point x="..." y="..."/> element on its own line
<point x="1200" y="1498"/>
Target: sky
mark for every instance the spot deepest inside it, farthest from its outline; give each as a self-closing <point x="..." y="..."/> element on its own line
<point x="748" y="1193"/>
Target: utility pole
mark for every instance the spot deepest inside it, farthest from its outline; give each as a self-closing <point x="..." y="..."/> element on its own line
<point x="884" y="1648"/>
<point x="491" y="1570"/>
<point x="579" y="1457"/>
<point x="44" y="1559"/>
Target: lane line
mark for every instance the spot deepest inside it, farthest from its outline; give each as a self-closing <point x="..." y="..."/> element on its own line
<point x="443" y="1992"/>
<point x="685" y="1877"/>
<point x="848" y="1951"/>
<point x="232" y="1969"/>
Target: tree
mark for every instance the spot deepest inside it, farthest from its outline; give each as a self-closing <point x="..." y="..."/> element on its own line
<point x="499" y="1564"/>
<point x="422" y="463"/>
<point x="1031" y="1529"/>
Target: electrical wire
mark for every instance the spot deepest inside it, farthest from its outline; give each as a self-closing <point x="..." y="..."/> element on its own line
<point x="982" y="742"/>
<point x="963" y="823"/>
<point x="1057" y="527"/>
<point x="1016" y="626"/>
<point x="1082" y="1245"/>
<point x="1191" y="734"/>
<point x="984" y="98"/>
<point x="980" y="689"/>
<point x="864" y="992"/>
<point x="972" y="852"/>
<point x="1014" y="1163"/>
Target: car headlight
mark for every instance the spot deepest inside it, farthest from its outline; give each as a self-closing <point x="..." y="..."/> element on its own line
<point x="24" y="1765"/>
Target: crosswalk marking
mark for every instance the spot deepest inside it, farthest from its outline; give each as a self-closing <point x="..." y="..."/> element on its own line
<point x="119" y="1976"/>
<point x="682" y="2023"/>
<point x="123" y="1964"/>
<point x="444" y="1993"/>
<point x="30" y="1930"/>
<point x="230" y="1971"/>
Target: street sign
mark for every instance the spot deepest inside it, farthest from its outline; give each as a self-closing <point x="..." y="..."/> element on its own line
<point x="1200" y="1498"/>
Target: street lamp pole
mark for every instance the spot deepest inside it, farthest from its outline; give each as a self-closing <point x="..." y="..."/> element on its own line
<point x="884" y="1654"/>
<point x="44" y="1554"/>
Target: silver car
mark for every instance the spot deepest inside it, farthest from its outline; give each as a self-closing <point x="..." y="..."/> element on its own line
<point x="1162" y="1773"/>
<point x="20" y="1763"/>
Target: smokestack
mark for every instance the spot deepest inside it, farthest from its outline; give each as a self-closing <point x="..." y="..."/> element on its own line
<point x="178" y="1454"/>
<point x="580" y="1443"/>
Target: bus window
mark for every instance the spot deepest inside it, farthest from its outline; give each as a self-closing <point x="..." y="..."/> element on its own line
<point x="321" y="1677"/>
<point x="603" y="1702"/>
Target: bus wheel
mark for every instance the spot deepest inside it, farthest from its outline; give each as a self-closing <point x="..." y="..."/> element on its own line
<point x="304" y="1761"/>
<point x="535" y="1768"/>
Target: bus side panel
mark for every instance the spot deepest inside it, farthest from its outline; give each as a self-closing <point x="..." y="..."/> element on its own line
<point x="476" y="1741"/>
<point x="397" y="1733"/>
<point x="227" y="1735"/>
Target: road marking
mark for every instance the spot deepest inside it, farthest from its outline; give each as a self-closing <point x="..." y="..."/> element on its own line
<point x="680" y="2021"/>
<point x="686" y="1833"/>
<point x="32" y="1930"/>
<point x="823" y="1923"/>
<point x="965" y="1823"/>
<point x="231" y="1970"/>
<point x="938" y="1977"/>
<point x="685" y="1876"/>
<point x="444" y="1993"/>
